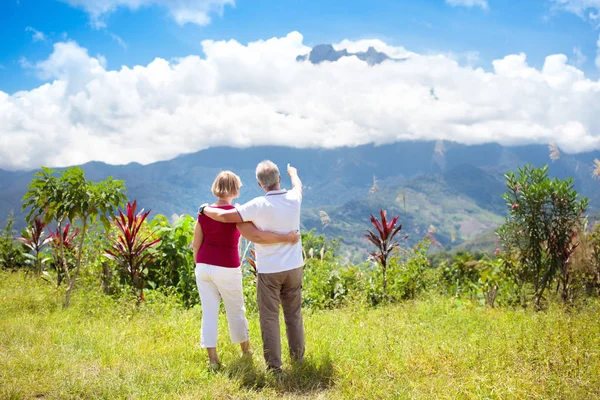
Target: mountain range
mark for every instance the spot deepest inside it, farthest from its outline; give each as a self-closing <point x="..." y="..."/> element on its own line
<point x="326" y="52"/>
<point x="449" y="190"/>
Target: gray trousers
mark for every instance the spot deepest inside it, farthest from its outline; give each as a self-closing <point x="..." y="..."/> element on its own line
<point x="273" y="289"/>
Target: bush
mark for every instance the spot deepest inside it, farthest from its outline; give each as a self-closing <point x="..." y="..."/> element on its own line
<point x="460" y="277"/>
<point x="407" y="272"/>
<point x="12" y="254"/>
<point x="485" y="280"/>
<point x="173" y="260"/>
<point x="327" y="284"/>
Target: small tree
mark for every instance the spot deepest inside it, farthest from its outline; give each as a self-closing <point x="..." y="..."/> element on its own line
<point x="70" y="197"/>
<point x="34" y="238"/>
<point x="384" y="241"/>
<point x="129" y="247"/>
<point x="545" y="216"/>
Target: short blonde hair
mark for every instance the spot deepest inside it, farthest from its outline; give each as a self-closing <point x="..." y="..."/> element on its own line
<point x="227" y="184"/>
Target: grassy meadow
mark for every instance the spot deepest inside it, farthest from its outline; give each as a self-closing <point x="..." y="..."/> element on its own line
<point x="104" y="347"/>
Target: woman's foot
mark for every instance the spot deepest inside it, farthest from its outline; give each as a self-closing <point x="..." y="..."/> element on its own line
<point x="246" y="350"/>
<point x="213" y="359"/>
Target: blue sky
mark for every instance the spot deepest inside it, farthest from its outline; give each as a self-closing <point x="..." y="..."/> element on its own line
<point x="534" y="27"/>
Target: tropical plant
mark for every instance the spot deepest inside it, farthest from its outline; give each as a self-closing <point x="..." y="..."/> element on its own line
<point x="71" y="197"/>
<point x="545" y="216"/>
<point x="129" y="248"/>
<point x="384" y="241"/>
<point x="34" y="239"/>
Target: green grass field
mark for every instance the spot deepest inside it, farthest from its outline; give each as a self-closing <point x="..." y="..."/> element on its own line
<point x="438" y="348"/>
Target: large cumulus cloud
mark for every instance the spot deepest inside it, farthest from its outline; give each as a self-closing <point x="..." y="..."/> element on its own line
<point x="258" y="94"/>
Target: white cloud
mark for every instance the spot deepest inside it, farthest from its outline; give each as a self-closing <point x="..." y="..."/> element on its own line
<point x="579" y="7"/>
<point x="258" y="94"/>
<point x="24" y="63"/>
<point x="468" y="3"/>
<point x="182" y="11"/>
<point x="586" y="9"/>
<point x="36" y="35"/>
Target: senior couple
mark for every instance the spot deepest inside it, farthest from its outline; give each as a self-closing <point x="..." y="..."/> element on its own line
<point x="272" y="222"/>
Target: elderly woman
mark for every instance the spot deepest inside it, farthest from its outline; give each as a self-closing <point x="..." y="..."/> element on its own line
<point x="218" y="273"/>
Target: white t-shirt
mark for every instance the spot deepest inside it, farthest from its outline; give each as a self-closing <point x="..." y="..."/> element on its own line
<point x="277" y="211"/>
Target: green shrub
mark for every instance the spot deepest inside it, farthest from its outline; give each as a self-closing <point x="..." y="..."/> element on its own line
<point x="460" y="277"/>
<point x="12" y="254"/>
<point x="407" y="272"/>
<point x="545" y="216"/>
<point x="328" y="284"/>
<point x="173" y="260"/>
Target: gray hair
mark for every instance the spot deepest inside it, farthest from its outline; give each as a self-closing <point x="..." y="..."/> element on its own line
<point x="267" y="174"/>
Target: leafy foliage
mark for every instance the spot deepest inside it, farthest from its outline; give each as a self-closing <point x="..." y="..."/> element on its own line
<point x="409" y="272"/>
<point x="129" y="248"/>
<point x="173" y="264"/>
<point x="545" y="216"/>
<point x="460" y="276"/>
<point x="478" y="278"/>
<point x="12" y="255"/>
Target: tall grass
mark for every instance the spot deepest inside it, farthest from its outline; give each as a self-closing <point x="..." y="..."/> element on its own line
<point x="105" y="347"/>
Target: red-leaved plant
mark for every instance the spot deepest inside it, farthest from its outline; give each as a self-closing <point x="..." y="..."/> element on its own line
<point x="34" y="238"/>
<point x="384" y="240"/>
<point x="63" y="254"/>
<point x="129" y="248"/>
<point x="68" y="240"/>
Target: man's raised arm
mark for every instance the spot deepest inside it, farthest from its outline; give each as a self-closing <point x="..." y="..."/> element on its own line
<point x="218" y="214"/>
<point x="296" y="182"/>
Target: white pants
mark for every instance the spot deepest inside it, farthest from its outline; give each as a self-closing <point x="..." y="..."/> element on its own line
<point x="216" y="283"/>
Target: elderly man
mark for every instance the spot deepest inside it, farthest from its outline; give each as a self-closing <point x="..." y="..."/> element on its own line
<point x="279" y="265"/>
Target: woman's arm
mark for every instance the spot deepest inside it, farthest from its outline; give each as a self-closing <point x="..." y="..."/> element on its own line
<point x="198" y="238"/>
<point x="253" y="234"/>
